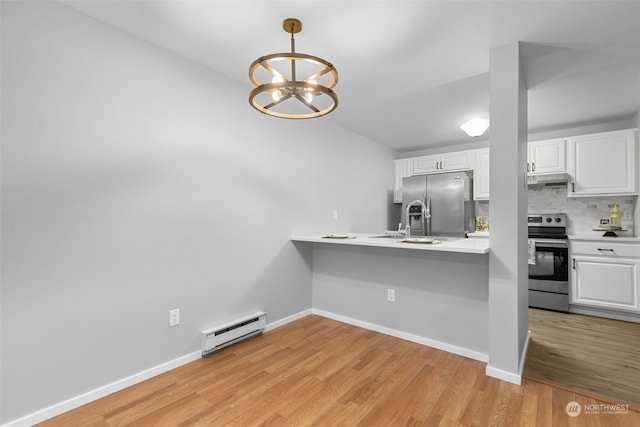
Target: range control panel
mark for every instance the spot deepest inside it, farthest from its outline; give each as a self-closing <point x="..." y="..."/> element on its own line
<point x="547" y="220"/>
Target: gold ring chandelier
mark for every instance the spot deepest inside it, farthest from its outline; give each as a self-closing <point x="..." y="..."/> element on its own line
<point x="285" y="94"/>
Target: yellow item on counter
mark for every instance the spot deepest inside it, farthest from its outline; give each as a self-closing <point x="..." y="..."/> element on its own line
<point x="615" y="216"/>
<point x="482" y="223"/>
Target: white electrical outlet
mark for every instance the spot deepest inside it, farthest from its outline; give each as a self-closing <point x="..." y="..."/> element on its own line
<point x="174" y="317"/>
<point x="391" y="295"/>
<point x="335" y="214"/>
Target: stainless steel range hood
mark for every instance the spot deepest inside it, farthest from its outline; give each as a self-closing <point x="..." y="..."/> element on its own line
<point x="558" y="179"/>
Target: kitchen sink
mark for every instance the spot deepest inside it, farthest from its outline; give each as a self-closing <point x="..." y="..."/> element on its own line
<point x="448" y="239"/>
<point x="401" y="237"/>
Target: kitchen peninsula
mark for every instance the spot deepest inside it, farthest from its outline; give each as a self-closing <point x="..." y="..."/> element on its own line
<point x="433" y="294"/>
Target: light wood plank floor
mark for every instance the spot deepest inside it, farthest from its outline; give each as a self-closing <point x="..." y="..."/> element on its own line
<point x="319" y="372"/>
<point x="592" y="354"/>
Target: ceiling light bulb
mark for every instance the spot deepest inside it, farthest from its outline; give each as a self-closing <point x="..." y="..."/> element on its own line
<point x="475" y="127"/>
<point x="276" y="95"/>
<point x="308" y="97"/>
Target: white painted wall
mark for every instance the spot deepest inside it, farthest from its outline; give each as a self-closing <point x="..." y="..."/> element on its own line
<point x="135" y="181"/>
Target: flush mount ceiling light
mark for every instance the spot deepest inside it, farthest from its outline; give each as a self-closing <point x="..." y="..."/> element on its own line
<point x="293" y="85"/>
<point x="475" y="127"/>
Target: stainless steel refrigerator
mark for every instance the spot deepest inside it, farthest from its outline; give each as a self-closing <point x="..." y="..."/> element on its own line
<point x="448" y="199"/>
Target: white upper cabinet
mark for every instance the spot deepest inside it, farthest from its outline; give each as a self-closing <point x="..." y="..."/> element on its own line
<point x="456" y="161"/>
<point x="547" y="157"/>
<point x="604" y="164"/>
<point x="481" y="175"/>
<point x="403" y="170"/>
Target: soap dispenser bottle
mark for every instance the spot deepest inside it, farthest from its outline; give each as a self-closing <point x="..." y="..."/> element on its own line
<point x="615" y="215"/>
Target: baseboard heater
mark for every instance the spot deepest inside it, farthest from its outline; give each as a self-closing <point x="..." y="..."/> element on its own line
<point x="224" y="335"/>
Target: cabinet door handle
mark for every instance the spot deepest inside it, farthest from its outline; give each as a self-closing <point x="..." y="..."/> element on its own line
<point x="528" y="168"/>
<point x="574" y="263"/>
<point x="573" y="187"/>
<point x="533" y="167"/>
<point x="437" y="167"/>
<point x="606" y="250"/>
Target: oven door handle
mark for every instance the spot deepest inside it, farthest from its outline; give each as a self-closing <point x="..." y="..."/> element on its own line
<point x="551" y="243"/>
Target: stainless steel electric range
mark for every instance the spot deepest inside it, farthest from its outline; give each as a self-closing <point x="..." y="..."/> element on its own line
<point x="548" y="262"/>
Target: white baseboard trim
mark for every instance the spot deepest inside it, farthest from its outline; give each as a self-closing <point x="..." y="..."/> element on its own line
<point x="450" y="348"/>
<point x="503" y="375"/>
<point x="603" y="312"/>
<point x="287" y="319"/>
<point x="90" y="396"/>
<point x="510" y="376"/>
<point x="523" y="357"/>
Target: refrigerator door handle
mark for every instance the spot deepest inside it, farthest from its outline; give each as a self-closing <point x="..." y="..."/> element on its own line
<point x="427" y="217"/>
<point x="427" y="213"/>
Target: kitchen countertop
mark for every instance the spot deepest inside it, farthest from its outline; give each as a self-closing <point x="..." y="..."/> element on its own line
<point x="462" y="245"/>
<point x="597" y="237"/>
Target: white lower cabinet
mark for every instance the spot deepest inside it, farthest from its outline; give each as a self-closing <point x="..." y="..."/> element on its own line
<point x="605" y="275"/>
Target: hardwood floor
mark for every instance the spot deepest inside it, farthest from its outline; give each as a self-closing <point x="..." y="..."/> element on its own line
<point x="319" y="372"/>
<point x="592" y="354"/>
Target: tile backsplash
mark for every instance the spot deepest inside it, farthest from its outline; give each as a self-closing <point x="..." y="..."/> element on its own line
<point x="583" y="213"/>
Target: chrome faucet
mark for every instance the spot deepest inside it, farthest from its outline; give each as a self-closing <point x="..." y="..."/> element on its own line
<point x="425" y="214"/>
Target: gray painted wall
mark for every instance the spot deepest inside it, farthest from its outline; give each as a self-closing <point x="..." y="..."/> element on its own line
<point x="135" y="181"/>
<point x="533" y="135"/>
<point x="508" y="272"/>
<point x="441" y="296"/>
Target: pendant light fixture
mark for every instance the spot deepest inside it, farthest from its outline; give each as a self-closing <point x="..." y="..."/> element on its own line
<point x="293" y="85"/>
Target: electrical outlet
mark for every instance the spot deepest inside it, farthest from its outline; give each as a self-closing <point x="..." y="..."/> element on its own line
<point x="391" y="295"/>
<point x="174" y="317"/>
<point x="335" y="214"/>
<point x="626" y="214"/>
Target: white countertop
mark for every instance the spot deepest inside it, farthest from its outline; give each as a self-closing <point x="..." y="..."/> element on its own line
<point x="597" y="237"/>
<point x="462" y="245"/>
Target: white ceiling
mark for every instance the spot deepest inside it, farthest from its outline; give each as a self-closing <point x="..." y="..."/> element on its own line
<point x="412" y="71"/>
